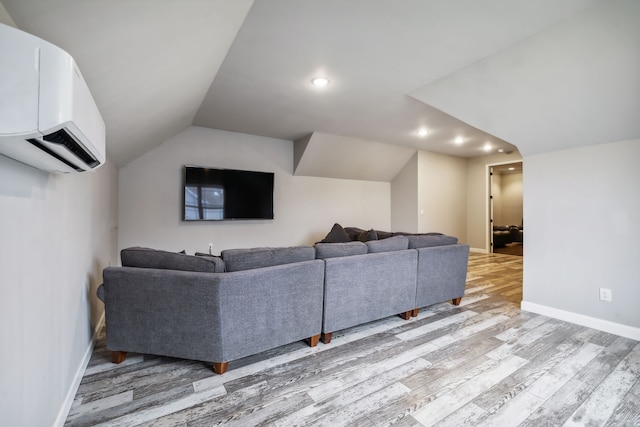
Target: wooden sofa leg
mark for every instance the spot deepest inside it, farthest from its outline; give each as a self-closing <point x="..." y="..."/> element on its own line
<point x="313" y="341"/>
<point x="326" y="337"/>
<point x="406" y="315"/>
<point x="456" y="301"/>
<point x="414" y="312"/>
<point x="118" y="356"/>
<point x="220" y="367"/>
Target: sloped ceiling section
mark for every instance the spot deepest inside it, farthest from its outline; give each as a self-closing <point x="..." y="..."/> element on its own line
<point x="494" y="72"/>
<point x="577" y="83"/>
<point x="374" y="52"/>
<point x="335" y="156"/>
<point x="5" y="18"/>
<point x="148" y="63"/>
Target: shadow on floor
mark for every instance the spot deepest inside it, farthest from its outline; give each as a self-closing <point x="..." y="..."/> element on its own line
<point x="510" y="249"/>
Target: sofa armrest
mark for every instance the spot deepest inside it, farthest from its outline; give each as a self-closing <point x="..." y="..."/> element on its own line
<point x="212" y="316"/>
<point x="442" y="273"/>
<point x="164" y="312"/>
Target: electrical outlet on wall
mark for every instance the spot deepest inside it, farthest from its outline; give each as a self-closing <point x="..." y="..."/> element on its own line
<point x="605" y="294"/>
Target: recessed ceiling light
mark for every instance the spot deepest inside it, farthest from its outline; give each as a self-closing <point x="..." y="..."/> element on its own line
<point x="487" y="147"/>
<point x="512" y="169"/>
<point x="320" y="81"/>
<point x="500" y="150"/>
<point x="459" y="140"/>
<point x="423" y="132"/>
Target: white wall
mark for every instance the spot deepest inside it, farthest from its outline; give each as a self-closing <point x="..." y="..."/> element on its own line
<point x="496" y="193"/>
<point x="150" y="196"/>
<point x="5" y="18"/>
<point x="442" y="194"/>
<point x="429" y="195"/>
<point x="582" y="213"/>
<point x="58" y="233"/>
<point x="477" y="202"/>
<point x="511" y="202"/>
<point x="404" y="198"/>
<point x="506" y="189"/>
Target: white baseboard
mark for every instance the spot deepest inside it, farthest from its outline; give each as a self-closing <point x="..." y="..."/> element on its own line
<point x="483" y="251"/>
<point x="71" y="394"/>
<point x="581" y="319"/>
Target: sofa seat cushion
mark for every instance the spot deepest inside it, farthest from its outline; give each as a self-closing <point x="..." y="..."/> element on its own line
<point x="395" y="243"/>
<point x="333" y="250"/>
<point x="154" y="258"/>
<point x="430" y="239"/>
<point x="248" y="259"/>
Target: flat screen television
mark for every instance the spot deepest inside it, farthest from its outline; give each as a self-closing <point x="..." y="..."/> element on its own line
<point x="226" y="194"/>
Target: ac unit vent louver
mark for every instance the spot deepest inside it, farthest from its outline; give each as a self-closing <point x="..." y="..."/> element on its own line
<point x="63" y="138"/>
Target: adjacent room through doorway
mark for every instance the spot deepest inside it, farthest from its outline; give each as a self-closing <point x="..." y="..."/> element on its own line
<point x="506" y="219"/>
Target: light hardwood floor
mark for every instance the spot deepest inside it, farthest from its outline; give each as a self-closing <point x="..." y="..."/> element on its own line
<point x="483" y="363"/>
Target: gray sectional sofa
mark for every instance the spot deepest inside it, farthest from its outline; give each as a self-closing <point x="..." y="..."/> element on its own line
<point x="219" y="309"/>
<point x="363" y="286"/>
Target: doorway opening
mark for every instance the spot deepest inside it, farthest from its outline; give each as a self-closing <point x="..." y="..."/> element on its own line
<point x="506" y="222"/>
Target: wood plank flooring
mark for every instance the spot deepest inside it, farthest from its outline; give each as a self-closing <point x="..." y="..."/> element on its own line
<point x="483" y="363"/>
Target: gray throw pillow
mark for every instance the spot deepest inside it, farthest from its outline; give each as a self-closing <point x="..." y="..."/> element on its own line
<point x="384" y="234"/>
<point x="336" y="235"/>
<point x="354" y="232"/>
<point x="368" y="235"/>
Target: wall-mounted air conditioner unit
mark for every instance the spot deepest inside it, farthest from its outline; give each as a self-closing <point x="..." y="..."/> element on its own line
<point x="48" y="118"/>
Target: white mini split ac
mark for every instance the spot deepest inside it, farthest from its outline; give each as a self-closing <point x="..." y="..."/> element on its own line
<point x="48" y="118"/>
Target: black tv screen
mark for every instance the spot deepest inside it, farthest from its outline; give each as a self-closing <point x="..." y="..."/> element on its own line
<point x="226" y="194"/>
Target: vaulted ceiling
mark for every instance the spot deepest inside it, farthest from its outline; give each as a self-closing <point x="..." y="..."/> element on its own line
<point x="538" y="75"/>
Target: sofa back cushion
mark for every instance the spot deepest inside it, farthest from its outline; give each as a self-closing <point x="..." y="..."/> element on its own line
<point x="430" y="239"/>
<point x="395" y="243"/>
<point x="248" y="259"/>
<point x="333" y="250"/>
<point x="154" y="258"/>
